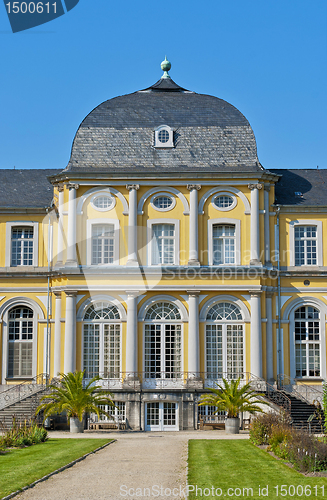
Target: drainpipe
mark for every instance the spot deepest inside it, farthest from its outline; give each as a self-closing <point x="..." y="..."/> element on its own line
<point x="48" y="336"/>
<point x="279" y="347"/>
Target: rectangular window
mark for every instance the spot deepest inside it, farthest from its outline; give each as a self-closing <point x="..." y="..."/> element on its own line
<point x="163" y="351"/>
<point x="224" y="351"/>
<point x="223" y="244"/>
<point x="22" y="246"/>
<point x="163" y="244"/>
<point x="305" y="244"/>
<point x="20" y="359"/>
<point x="102" y="244"/>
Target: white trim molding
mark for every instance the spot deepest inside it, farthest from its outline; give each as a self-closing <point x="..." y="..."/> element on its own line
<point x="104" y="298"/>
<point x="104" y="221"/>
<point x="225" y="220"/>
<point x="225" y="190"/>
<point x="162" y="298"/>
<point x="169" y="190"/>
<point x="225" y="298"/>
<point x="24" y="223"/>
<point x="150" y="223"/>
<point x="158" y="144"/>
<point x="306" y="222"/>
<point x="105" y="195"/>
<point x="105" y="190"/>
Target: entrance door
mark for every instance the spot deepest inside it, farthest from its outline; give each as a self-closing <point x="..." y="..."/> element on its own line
<point x="161" y="417"/>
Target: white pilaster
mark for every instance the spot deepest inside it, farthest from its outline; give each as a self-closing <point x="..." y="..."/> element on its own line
<point x="255" y="226"/>
<point x="57" y="339"/>
<point x="60" y="247"/>
<point x="70" y="333"/>
<point x="256" y="337"/>
<point x="71" y="236"/>
<point x="269" y="337"/>
<point x="267" y="225"/>
<point x="193" y="335"/>
<point x="131" y="335"/>
<point x="132" y="225"/>
<point x="193" y="240"/>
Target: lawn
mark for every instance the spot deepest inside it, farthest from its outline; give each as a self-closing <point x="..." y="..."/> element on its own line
<point x="238" y="464"/>
<point x="21" y="467"/>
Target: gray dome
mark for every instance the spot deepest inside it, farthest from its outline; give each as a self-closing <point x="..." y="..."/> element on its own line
<point x="209" y="134"/>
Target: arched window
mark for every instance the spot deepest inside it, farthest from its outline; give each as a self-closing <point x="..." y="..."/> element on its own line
<point x="224" y="341"/>
<point x="307" y="341"/>
<point x="20" y="342"/>
<point x="101" y="341"/>
<point x="163" y="341"/>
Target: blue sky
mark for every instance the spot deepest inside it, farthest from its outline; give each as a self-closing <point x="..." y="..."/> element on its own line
<point x="268" y="58"/>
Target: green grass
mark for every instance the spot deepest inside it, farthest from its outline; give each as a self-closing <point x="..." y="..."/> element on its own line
<point x="21" y="467"/>
<point x="239" y="464"/>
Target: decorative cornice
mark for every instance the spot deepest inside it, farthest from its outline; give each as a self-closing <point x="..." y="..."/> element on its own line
<point x="190" y="187"/>
<point x="129" y="187"/>
<point x="267" y="187"/>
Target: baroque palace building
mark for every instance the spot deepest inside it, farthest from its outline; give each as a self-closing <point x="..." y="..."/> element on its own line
<point x="164" y="257"/>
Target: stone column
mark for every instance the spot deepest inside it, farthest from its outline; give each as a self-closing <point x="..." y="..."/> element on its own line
<point x="193" y="335"/>
<point x="57" y="338"/>
<point x="132" y="225"/>
<point x="269" y="337"/>
<point x="256" y="337"/>
<point x="267" y="225"/>
<point x="255" y="226"/>
<point x="60" y="247"/>
<point x="70" y="333"/>
<point x="71" y="236"/>
<point x="193" y="239"/>
<point x="131" y="335"/>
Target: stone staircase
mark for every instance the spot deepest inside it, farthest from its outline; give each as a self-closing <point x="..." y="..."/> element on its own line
<point x="301" y="411"/>
<point x="21" y="401"/>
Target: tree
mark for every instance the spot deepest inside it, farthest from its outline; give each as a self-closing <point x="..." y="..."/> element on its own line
<point x="233" y="399"/>
<point x="71" y="396"/>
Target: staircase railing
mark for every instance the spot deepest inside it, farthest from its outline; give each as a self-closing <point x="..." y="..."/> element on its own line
<point x="273" y="394"/>
<point x="299" y="389"/>
<point x="16" y="393"/>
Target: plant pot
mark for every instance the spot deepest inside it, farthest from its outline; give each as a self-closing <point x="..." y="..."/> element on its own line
<point x="232" y="425"/>
<point x="76" y="426"/>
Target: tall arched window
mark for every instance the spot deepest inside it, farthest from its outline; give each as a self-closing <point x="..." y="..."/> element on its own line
<point x="307" y="341"/>
<point x="20" y="342"/>
<point x="101" y="341"/>
<point x="163" y="341"/>
<point x="224" y="341"/>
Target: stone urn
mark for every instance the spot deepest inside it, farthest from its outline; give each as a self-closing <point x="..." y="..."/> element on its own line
<point x="232" y="425"/>
<point x="76" y="426"/>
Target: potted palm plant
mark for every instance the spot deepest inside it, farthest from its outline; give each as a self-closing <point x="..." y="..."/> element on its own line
<point x="234" y="399"/>
<point x="71" y="396"/>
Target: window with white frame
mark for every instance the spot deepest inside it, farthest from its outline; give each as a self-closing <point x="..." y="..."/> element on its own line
<point x="117" y="413"/>
<point x="224" y="341"/>
<point x="163" y="341"/>
<point x="223" y="236"/>
<point x="103" y="202"/>
<point x="305" y="244"/>
<point x="102" y="242"/>
<point x="224" y="201"/>
<point x="20" y="342"/>
<point x="102" y="341"/>
<point x="164" y="137"/>
<point x="307" y="341"/>
<point x="163" y="244"/>
<point x="103" y="237"/>
<point x="210" y="411"/>
<point x="22" y="246"/>
<point x="163" y="202"/>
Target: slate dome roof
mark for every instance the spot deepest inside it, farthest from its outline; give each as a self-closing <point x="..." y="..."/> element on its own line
<point x="209" y="133"/>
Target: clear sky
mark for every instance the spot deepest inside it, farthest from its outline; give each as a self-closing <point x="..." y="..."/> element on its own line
<point x="266" y="57"/>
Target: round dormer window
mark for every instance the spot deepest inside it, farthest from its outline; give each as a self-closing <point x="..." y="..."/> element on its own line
<point x="163" y="136"/>
<point x="163" y="202"/>
<point x="224" y="201"/>
<point x="103" y="202"/>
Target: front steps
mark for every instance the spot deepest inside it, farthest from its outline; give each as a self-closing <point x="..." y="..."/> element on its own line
<point x="23" y="410"/>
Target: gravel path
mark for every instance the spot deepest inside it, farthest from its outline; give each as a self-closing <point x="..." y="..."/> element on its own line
<point x="136" y="460"/>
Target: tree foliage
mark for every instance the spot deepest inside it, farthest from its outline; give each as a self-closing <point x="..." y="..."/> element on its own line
<point x="71" y="396"/>
<point x="233" y="398"/>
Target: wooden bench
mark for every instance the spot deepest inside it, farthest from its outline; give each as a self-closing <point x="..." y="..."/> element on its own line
<point x="107" y="425"/>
